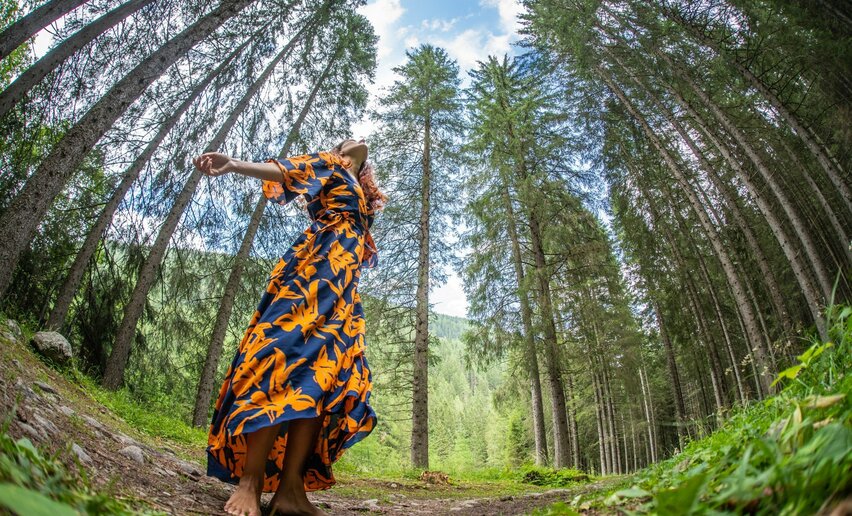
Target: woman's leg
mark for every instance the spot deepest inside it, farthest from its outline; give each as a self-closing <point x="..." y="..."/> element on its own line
<point x="290" y="496"/>
<point x="246" y="498"/>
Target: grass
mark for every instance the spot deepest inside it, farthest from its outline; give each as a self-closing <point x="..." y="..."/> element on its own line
<point x="789" y="454"/>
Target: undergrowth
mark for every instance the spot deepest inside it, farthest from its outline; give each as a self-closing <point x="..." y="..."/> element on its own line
<point x="34" y="483"/>
<point x="789" y="454"/>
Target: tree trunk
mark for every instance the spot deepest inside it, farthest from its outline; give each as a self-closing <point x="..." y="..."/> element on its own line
<point x="671" y="362"/>
<point x="529" y="336"/>
<point x="808" y="137"/>
<point x="26" y="27"/>
<point x="572" y="422"/>
<point x="78" y="268"/>
<point x="114" y="374"/>
<point x="794" y="258"/>
<point x="22" y="217"/>
<point x="602" y="449"/>
<point x="551" y="360"/>
<point x="803" y="233"/>
<point x="420" y="409"/>
<point x="38" y="70"/>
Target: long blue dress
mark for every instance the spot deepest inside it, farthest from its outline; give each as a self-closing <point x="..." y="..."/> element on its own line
<point x="302" y="354"/>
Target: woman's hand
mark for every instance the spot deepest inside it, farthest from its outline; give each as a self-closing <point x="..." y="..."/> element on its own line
<point x="213" y="163"/>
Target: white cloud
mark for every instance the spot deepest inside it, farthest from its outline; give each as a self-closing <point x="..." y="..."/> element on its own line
<point x="383" y="14"/>
<point x="508" y="11"/>
<point x="438" y="24"/>
<point x="475" y="45"/>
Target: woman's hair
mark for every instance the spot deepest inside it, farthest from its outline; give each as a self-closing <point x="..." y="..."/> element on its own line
<point x="375" y="198"/>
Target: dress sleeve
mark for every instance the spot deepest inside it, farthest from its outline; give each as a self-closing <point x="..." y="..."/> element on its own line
<point x="305" y="174"/>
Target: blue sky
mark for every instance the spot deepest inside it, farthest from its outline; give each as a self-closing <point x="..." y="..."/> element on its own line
<point x="469" y="30"/>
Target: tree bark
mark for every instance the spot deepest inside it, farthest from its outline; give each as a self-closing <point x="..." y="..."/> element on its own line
<point x="26" y="27"/>
<point x="420" y="409"/>
<point x="529" y="336"/>
<point x="38" y="70"/>
<point x="19" y="222"/>
<point x="671" y="362"/>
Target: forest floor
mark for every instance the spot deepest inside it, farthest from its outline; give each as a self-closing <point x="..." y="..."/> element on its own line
<point x="154" y="474"/>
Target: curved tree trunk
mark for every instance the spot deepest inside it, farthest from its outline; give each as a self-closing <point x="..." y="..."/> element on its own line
<point x="796" y="261"/>
<point x="753" y="332"/>
<point x="38" y="70"/>
<point x="26" y="27"/>
<point x="21" y="219"/>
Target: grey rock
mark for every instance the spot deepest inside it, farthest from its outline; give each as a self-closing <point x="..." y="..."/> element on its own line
<point x="45" y="423"/>
<point x="53" y="346"/>
<point x="506" y="498"/>
<point x="17" y="364"/>
<point x="188" y="469"/>
<point x="46" y="387"/>
<point x="68" y="411"/>
<point x="81" y="454"/>
<point x="93" y="422"/>
<point x="26" y="390"/>
<point x="38" y="435"/>
<point x="124" y="439"/>
<point x="133" y="453"/>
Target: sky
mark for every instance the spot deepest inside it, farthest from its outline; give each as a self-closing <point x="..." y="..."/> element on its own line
<point x="469" y="30"/>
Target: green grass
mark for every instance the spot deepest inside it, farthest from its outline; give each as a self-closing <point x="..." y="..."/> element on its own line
<point x="156" y="421"/>
<point x="789" y="454"/>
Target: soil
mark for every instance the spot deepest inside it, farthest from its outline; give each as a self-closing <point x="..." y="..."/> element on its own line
<point x="59" y="417"/>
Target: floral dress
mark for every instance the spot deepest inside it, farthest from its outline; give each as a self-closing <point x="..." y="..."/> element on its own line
<point x="302" y="354"/>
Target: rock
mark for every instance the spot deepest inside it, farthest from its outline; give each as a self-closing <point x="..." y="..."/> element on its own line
<point x="93" y="422"/>
<point x="188" y="469"/>
<point x="133" y="453"/>
<point x="46" y="387"/>
<point x="26" y="390"/>
<point x="394" y="485"/>
<point x="124" y="439"/>
<point x="81" y="454"/>
<point x="53" y="346"/>
<point x="68" y="411"/>
<point x="38" y="435"/>
<point x="17" y="364"/>
<point x="507" y="498"/>
<point x="45" y="424"/>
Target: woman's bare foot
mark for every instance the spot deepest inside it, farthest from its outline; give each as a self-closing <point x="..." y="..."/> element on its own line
<point x="291" y="500"/>
<point x="246" y="499"/>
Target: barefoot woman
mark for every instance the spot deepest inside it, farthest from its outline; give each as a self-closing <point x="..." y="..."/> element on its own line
<point x="297" y="393"/>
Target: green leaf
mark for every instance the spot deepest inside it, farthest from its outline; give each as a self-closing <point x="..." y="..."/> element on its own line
<point x="681" y="499"/>
<point x="31" y="503"/>
<point x="789" y="373"/>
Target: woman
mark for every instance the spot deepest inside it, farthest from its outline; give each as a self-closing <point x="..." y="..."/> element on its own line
<point x="300" y="381"/>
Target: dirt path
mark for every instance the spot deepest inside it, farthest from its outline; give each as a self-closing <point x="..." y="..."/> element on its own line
<point x="169" y="476"/>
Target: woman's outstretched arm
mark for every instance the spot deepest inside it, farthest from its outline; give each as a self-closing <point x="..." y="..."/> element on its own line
<point x="216" y="164"/>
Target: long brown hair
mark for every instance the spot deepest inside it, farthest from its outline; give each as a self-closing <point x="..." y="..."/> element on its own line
<point x="375" y="198"/>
